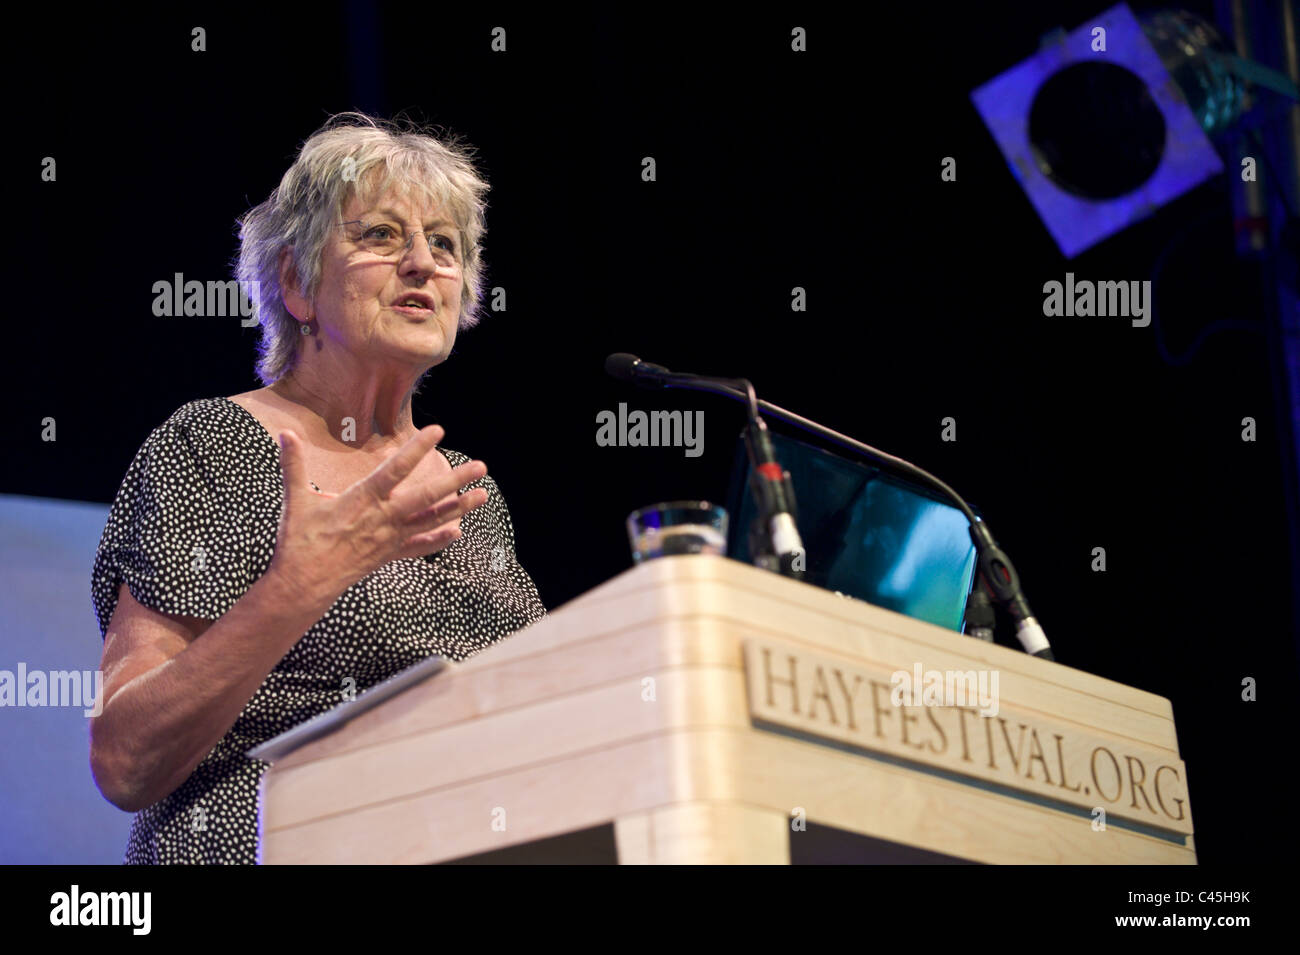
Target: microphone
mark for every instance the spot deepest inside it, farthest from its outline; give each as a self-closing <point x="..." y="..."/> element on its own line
<point x="770" y="483"/>
<point x="1000" y="575"/>
<point x="980" y="615"/>
<point x="627" y="367"/>
<point x="774" y="492"/>
<point x="992" y="563"/>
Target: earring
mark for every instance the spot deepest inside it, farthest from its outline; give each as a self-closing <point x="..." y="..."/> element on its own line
<point x="306" y="328"/>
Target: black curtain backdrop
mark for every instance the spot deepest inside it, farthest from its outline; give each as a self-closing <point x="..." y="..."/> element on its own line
<point x="774" y="170"/>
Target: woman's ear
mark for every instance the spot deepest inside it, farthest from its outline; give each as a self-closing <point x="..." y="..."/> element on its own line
<point x="299" y="307"/>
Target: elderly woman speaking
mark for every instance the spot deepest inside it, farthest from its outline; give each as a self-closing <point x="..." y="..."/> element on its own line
<point x="272" y="552"/>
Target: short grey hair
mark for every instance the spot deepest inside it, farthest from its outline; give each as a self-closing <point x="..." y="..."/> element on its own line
<point x="352" y="149"/>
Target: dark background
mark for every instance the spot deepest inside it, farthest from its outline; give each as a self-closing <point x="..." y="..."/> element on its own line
<point x="775" y="170"/>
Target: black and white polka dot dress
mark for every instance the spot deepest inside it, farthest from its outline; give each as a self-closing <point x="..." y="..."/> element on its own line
<point x="194" y="525"/>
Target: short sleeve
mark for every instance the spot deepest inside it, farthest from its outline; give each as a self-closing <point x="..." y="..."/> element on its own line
<point x="172" y="534"/>
<point x="504" y="559"/>
<point x="500" y="514"/>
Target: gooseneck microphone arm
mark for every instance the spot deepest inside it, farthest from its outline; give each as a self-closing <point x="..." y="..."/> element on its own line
<point x="779" y="545"/>
<point x="993" y="564"/>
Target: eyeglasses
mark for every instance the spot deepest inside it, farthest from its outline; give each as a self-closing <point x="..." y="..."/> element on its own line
<point x="390" y="241"/>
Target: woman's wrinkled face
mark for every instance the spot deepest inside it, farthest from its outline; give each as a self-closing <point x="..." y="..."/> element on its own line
<point x="385" y="299"/>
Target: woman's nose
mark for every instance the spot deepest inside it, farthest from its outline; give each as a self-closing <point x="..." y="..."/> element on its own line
<point x="418" y="254"/>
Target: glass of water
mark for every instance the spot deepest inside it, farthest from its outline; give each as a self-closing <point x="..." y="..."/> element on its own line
<point x="677" y="527"/>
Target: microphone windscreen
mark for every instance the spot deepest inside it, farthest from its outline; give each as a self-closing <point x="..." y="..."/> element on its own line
<point x="620" y="365"/>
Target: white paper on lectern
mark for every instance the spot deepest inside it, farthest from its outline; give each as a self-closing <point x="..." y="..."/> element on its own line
<point x="318" y="726"/>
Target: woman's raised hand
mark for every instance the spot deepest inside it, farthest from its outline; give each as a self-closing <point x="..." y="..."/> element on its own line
<point x="327" y="542"/>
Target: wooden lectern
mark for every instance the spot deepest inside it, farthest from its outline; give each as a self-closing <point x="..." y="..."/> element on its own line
<point x="697" y="709"/>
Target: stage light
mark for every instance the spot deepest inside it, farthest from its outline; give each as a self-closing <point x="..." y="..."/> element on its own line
<point x="1099" y="132"/>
